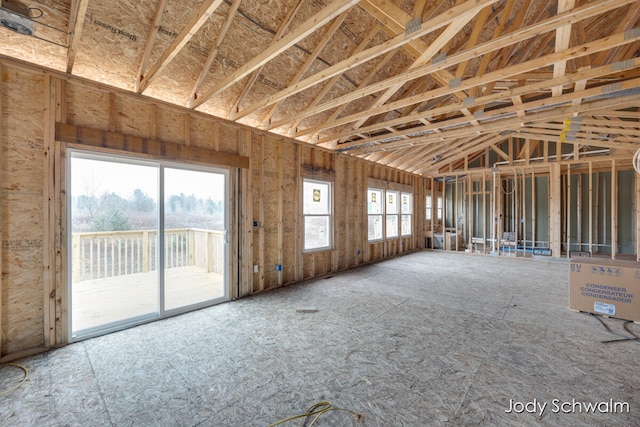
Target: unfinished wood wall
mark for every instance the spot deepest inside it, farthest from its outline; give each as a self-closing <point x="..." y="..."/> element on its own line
<point x="586" y="206"/>
<point x="266" y="205"/>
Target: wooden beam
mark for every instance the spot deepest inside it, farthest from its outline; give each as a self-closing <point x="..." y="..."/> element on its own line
<point x="597" y="45"/>
<point x="334" y="80"/>
<point x="310" y="59"/>
<point x="555" y="202"/>
<point x="629" y="21"/>
<point x="84" y="137"/>
<point x="429" y="130"/>
<point x="151" y="38"/>
<point x="563" y="36"/>
<point x="458" y="133"/>
<point x="302" y="31"/>
<point x="207" y="9"/>
<point x="284" y="26"/>
<point x="426" y="56"/>
<point x="76" y="23"/>
<point x="614" y="209"/>
<point x="204" y="72"/>
<point x="471" y="6"/>
<point x="583" y="12"/>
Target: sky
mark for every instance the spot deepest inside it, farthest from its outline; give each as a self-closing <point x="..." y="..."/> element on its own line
<point x="93" y="176"/>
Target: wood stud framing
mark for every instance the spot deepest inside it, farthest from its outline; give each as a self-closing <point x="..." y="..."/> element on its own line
<point x="484" y="93"/>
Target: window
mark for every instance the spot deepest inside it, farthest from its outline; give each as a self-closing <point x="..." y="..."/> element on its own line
<point x="392" y="208"/>
<point x="392" y="214"/>
<point x="406" y="209"/>
<point x="374" y="210"/>
<point x="316" y="208"/>
<point x="429" y="208"/>
<point x="439" y="208"/>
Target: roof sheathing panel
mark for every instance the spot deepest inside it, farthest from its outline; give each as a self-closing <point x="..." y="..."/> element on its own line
<point x="116" y="33"/>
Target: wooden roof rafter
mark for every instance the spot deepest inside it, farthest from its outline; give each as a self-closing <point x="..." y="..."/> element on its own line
<point x="282" y="29"/>
<point x="151" y="38"/>
<point x="563" y="36"/>
<point x="310" y="60"/>
<point x="514" y="92"/>
<point x="204" y="72"/>
<point x="299" y="33"/>
<point x="428" y="69"/>
<point x="207" y="9"/>
<point x="506" y="125"/>
<point x="76" y="24"/>
<point x="373" y="31"/>
<point x="469" y="7"/>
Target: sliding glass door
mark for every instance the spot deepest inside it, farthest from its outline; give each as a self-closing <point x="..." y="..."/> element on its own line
<point x="194" y="252"/>
<point x="148" y="240"/>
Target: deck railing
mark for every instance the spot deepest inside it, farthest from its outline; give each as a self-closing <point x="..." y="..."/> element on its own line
<point x="116" y="253"/>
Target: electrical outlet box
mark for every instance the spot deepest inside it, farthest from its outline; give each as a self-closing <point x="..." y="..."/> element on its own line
<point x="256" y="224"/>
<point x="256" y="268"/>
<point x="278" y="267"/>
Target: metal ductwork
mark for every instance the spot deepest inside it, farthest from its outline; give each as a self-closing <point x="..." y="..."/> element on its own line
<point x="15" y="17"/>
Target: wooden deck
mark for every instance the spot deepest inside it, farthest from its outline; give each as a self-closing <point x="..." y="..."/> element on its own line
<point x="102" y="301"/>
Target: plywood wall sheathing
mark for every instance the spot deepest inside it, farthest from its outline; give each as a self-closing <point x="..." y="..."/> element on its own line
<point x="23" y="315"/>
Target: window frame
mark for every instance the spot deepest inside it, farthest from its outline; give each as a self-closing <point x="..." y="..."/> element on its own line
<point x="329" y="215"/>
<point x="403" y="214"/>
<point x="398" y="191"/>
<point x="379" y="214"/>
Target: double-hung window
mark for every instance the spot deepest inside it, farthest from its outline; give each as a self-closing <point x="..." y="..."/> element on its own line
<point x="392" y="214"/>
<point x="375" y="211"/>
<point x="406" y="208"/>
<point x="317" y="212"/>
<point x="389" y="210"/>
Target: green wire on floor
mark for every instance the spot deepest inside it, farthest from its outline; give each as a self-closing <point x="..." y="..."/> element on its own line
<point x="26" y="377"/>
<point x="317" y="410"/>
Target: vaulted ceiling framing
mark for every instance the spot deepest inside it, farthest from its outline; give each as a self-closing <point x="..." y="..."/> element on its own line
<point x="423" y="86"/>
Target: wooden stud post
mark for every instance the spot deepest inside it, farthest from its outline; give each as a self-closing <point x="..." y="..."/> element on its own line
<point x="49" y="190"/>
<point x="555" y="199"/>
<point x="484" y="209"/>
<point x="614" y="210"/>
<point x="568" y="210"/>
<point x="61" y="249"/>
<point x="591" y="208"/>
<point x="280" y="219"/>
<point x="246" y="217"/>
<point x="299" y="226"/>
<point x="261" y="237"/>
<point x="596" y="224"/>
<point x="533" y="219"/>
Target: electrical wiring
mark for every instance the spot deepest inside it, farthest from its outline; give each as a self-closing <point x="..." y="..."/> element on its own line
<point x="317" y="410"/>
<point x="26" y="377"/>
<point x="626" y="324"/>
<point x="636" y="161"/>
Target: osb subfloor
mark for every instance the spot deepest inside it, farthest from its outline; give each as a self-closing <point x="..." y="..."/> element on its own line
<point x="431" y="338"/>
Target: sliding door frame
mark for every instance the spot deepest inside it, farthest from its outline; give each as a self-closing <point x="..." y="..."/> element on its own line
<point x="161" y="165"/>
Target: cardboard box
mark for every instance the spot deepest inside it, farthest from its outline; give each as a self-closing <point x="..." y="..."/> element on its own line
<point x="608" y="287"/>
